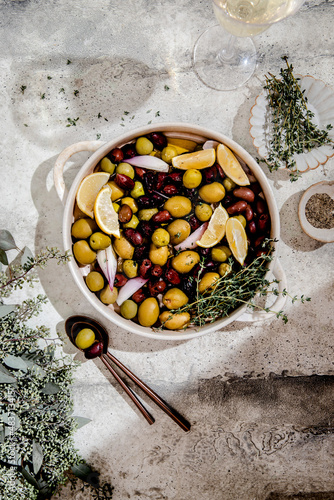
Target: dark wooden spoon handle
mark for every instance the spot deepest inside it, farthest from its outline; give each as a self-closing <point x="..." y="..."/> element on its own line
<point x="129" y="392"/>
<point x="173" y="414"/>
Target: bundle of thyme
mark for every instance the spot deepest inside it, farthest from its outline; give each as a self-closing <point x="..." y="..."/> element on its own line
<point x="294" y="132"/>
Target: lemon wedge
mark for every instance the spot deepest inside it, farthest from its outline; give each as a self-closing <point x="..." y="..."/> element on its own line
<point x="231" y="166"/>
<point x="181" y="145"/>
<point x="197" y="159"/>
<point x="237" y="239"/>
<point x="88" y="190"/>
<point x="216" y="228"/>
<point x="105" y="215"/>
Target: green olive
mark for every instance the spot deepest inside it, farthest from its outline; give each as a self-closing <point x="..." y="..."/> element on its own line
<point x="83" y="228"/>
<point x="148" y="312"/>
<point x="123" y="247"/>
<point x="158" y="255"/>
<point x="203" y="212"/>
<point x="192" y="178"/>
<point x="178" y="230"/>
<point x="125" y="169"/>
<point x="144" y="146"/>
<point x="83" y="253"/>
<point x="131" y="203"/>
<point x="107" y="165"/>
<point x="95" y="281"/>
<point x="129" y="309"/>
<point x="185" y="261"/>
<point x="99" y="241"/>
<point x="130" y="268"/>
<point x="160" y="237"/>
<point x="242" y="219"/>
<point x="220" y="253"/>
<point x="224" y="269"/>
<point x="147" y="213"/>
<point x="208" y="281"/>
<point x="229" y="184"/>
<point x="178" y="206"/>
<point x="212" y="193"/>
<point x="138" y="190"/>
<point x="116" y="207"/>
<point x="107" y="296"/>
<point x="133" y="222"/>
<point x="168" y="153"/>
<point x="116" y="191"/>
<point x="85" y="338"/>
<point x="174" y="321"/>
<point x="174" y="298"/>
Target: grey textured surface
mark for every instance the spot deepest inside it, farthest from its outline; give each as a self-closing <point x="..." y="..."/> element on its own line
<point x="259" y="396"/>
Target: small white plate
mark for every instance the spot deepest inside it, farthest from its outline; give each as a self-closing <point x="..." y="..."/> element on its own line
<point x="324" y="235"/>
<point x="320" y="101"/>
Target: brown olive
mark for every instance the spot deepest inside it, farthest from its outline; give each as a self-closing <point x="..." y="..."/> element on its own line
<point x="125" y="213"/>
<point x="244" y="193"/>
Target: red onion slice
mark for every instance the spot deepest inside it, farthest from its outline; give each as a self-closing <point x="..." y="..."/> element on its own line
<point x="148" y="161"/>
<point x="210" y="145"/>
<point x="190" y="242"/>
<point x="130" y="287"/>
<point x="107" y="261"/>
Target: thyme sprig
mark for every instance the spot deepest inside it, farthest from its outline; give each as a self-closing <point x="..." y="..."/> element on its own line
<point x="294" y="132"/>
<point x="235" y="289"/>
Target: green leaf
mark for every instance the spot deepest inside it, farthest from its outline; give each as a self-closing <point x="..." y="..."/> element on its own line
<point x="6" y="309"/>
<point x="81" y="470"/>
<point x="15" y="362"/>
<point x="50" y="388"/>
<point x="6" y="240"/>
<point x="3" y="257"/>
<point x="5" y="376"/>
<point x="29" y="477"/>
<point x="81" y="421"/>
<point x="37" y="456"/>
<point x="26" y="256"/>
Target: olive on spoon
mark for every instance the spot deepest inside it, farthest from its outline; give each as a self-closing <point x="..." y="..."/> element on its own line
<point x="74" y="324"/>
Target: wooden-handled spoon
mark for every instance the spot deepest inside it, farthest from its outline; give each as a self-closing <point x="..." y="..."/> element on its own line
<point x="100" y="349"/>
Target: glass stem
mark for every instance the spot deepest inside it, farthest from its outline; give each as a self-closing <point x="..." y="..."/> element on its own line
<point x="227" y="53"/>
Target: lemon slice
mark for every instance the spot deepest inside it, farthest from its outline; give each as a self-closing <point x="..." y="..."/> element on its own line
<point x="231" y="166"/>
<point x="105" y="215"/>
<point x="197" y="159"/>
<point x="216" y="228"/>
<point x="237" y="239"/>
<point x="88" y="190"/>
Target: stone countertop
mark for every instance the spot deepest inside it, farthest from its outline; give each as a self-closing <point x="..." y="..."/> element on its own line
<point x="259" y="396"/>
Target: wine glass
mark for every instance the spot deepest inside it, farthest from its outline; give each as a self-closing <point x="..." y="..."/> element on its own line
<point x="224" y="56"/>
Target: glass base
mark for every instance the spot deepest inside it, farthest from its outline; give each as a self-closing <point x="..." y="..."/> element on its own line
<point x="223" y="62"/>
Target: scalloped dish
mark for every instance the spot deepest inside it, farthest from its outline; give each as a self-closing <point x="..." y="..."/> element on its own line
<point x="320" y="102"/>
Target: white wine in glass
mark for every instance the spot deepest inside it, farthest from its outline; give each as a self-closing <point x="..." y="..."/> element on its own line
<point x="224" y="56"/>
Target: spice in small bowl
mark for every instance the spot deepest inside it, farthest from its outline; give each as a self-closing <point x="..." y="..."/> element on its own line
<point x="316" y="211"/>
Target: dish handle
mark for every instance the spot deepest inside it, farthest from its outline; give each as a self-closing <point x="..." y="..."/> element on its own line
<point x="65" y="155"/>
<point x="279" y="303"/>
